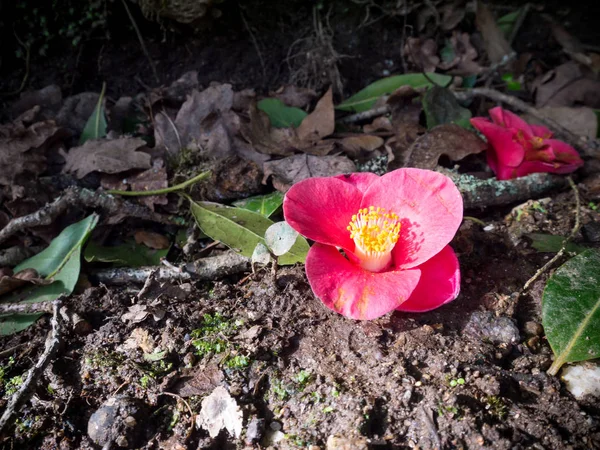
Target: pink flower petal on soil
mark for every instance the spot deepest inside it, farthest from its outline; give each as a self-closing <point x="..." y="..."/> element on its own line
<point x="564" y="152"/>
<point x="501" y="140"/>
<point x="321" y="209"/>
<point x="360" y="180"/>
<point x="430" y="208"/>
<point x="352" y="291"/>
<point x="439" y="283"/>
<point x="508" y="119"/>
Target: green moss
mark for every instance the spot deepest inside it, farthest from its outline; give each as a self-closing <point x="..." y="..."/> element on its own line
<point x="496" y="407"/>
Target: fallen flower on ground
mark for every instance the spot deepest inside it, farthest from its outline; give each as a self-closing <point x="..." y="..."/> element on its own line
<point x="381" y="243"/>
<point x="517" y="148"/>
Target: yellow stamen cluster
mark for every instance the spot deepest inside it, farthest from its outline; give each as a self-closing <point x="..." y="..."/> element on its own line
<point x="375" y="232"/>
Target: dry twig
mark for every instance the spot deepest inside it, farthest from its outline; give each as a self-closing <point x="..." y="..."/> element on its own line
<point x="75" y="196"/>
<point x="26" y="390"/>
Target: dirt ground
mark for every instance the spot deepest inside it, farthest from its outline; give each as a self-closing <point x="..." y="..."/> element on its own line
<point x="469" y="375"/>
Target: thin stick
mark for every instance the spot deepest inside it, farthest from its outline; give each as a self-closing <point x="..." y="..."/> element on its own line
<point x="141" y="39"/>
<point x="192" y="415"/>
<point x="76" y="196"/>
<point x="562" y="250"/>
<point x="177" y="187"/>
<point x="26" y="390"/>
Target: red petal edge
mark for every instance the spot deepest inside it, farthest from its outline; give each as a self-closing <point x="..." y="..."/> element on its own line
<point x="321" y="209"/>
<point x="439" y="283"/>
<point x="360" y="180"/>
<point x="352" y="291"/>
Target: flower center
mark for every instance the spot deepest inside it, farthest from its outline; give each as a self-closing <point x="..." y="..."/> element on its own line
<point x="375" y="232"/>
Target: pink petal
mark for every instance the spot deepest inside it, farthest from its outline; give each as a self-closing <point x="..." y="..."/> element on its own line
<point x="360" y="180"/>
<point x="430" y="208"/>
<point x="541" y="131"/>
<point x="438" y="285"/>
<point x="352" y="291"/>
<point x="321" y="209"/>
<point x="502" y="142"/>
<point x="508" y="119"/>
<point x="564" y="152"/>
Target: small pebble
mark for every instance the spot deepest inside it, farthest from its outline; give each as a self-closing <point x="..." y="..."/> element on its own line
<point x="255" y="430"/>
<point x="532" y="328"/>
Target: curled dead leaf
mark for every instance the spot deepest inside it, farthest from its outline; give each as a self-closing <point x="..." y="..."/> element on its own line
<point x="319" y="123"/>
<point x="353" y="145"/>
<point x="151" y="239"/>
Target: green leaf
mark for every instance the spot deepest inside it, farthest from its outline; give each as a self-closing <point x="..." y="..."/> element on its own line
<point x="550" y="243"/>
<point x="240" y="229"/>
<point x="96" y="126"/>
<point x="507" y="22"/>
<point x="441" y="107"/>
<point x="265" y="205"/>
<point x="128" y="254"/>
<point x="280" y="238"/>
<point x="366" y="98"/>
<point x="60" y="261"/>
<point x="280" y="115"/>
<point x="571" y="310"/>
<point x="13" y="323"/>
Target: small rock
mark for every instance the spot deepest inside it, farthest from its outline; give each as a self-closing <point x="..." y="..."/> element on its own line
<point x="498" y="330"/>
<point x="255" y="430"/>
<point x="118" y="420"/>
<point x="582" y="379"/>
<point x="532" y="328"/>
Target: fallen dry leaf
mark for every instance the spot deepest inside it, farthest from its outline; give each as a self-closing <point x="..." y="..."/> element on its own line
<point x="580" y="121"/>
<point x="448" y="139"/>
<point x="9" y="283"/>
<point x="422" y="53"/>
<point x="151" y="180"/>
<point x="220" y="410"/>
<point x="353" y="145"/>
<point x="320" y="123"/>
<point x="151" y="239"/>
<point x="48" y="99"/>
<point x="107" y="156"/>
<point x="495" y="44"/>
<point x="267" y="140"/>
<point x="203" y="381"/>
<point x="138" y="313"/>
<point x="452" y="14"/>
<point x="465" y="54"/>
<point x="405" y="124"/>
<point x="379" y="124"/>
<point x="292" y="169"/>
<point x="140" y="338"/>
<point x="567" y="85"/>
<point x="295" y="96"/>
<point x="76" y="110"/>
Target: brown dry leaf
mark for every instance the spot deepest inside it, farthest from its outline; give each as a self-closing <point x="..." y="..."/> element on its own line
<point x="292" y="169"/>
<point x="465" y="55"/>
<point x="220" y="410"/>
<point x="579" y="121"/>
<point x="496" y="45"/>
<point x="569" y="43"/>
<point x="151" y="180"/>
<point x="48" y="99"/>
<point x="138" y="313"/>
<point x="107" y="156"/>
<point x="76" y="110"/>
<point x="203" y="381"/>
<point x="320" y="123"/>
<point x="9" y="283"/>
<point x="258" y="132"/>
<point x="23" y="147"/>
<point x="405" y="123"/>
<point x="380" y="123"/>
<point x="448" y="139"/>
<point x="151" y="239"/>
<point x="422" y="54"/>
<point x="354" y="144"/>
<point x="567" y="85"/>
<point x="243" y="99"/>
<point x="140" y="338"/>
<point x="298" y="97"/>
<point x="452" y="14"/>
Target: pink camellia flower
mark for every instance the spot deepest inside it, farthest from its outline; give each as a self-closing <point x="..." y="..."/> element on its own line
<point x="381" y="242"/>
<point x="517" y="149"/>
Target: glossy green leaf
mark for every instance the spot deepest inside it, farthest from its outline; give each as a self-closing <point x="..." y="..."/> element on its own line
<point x="441" y="107"/>
<point x="128" y="254"/>
<point x="551" y="243"/>
<point x="280" y="238"/>
<point x="507" y="22"/>
<point x="240" y="229"/>
<point x="281" y="115"/>
<point x="571" y="310"/>
<point x="265" y="205"/>
<point x="13" y="323"/>
<point x="96" y="126"/>
<point x="366" y="98"/>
